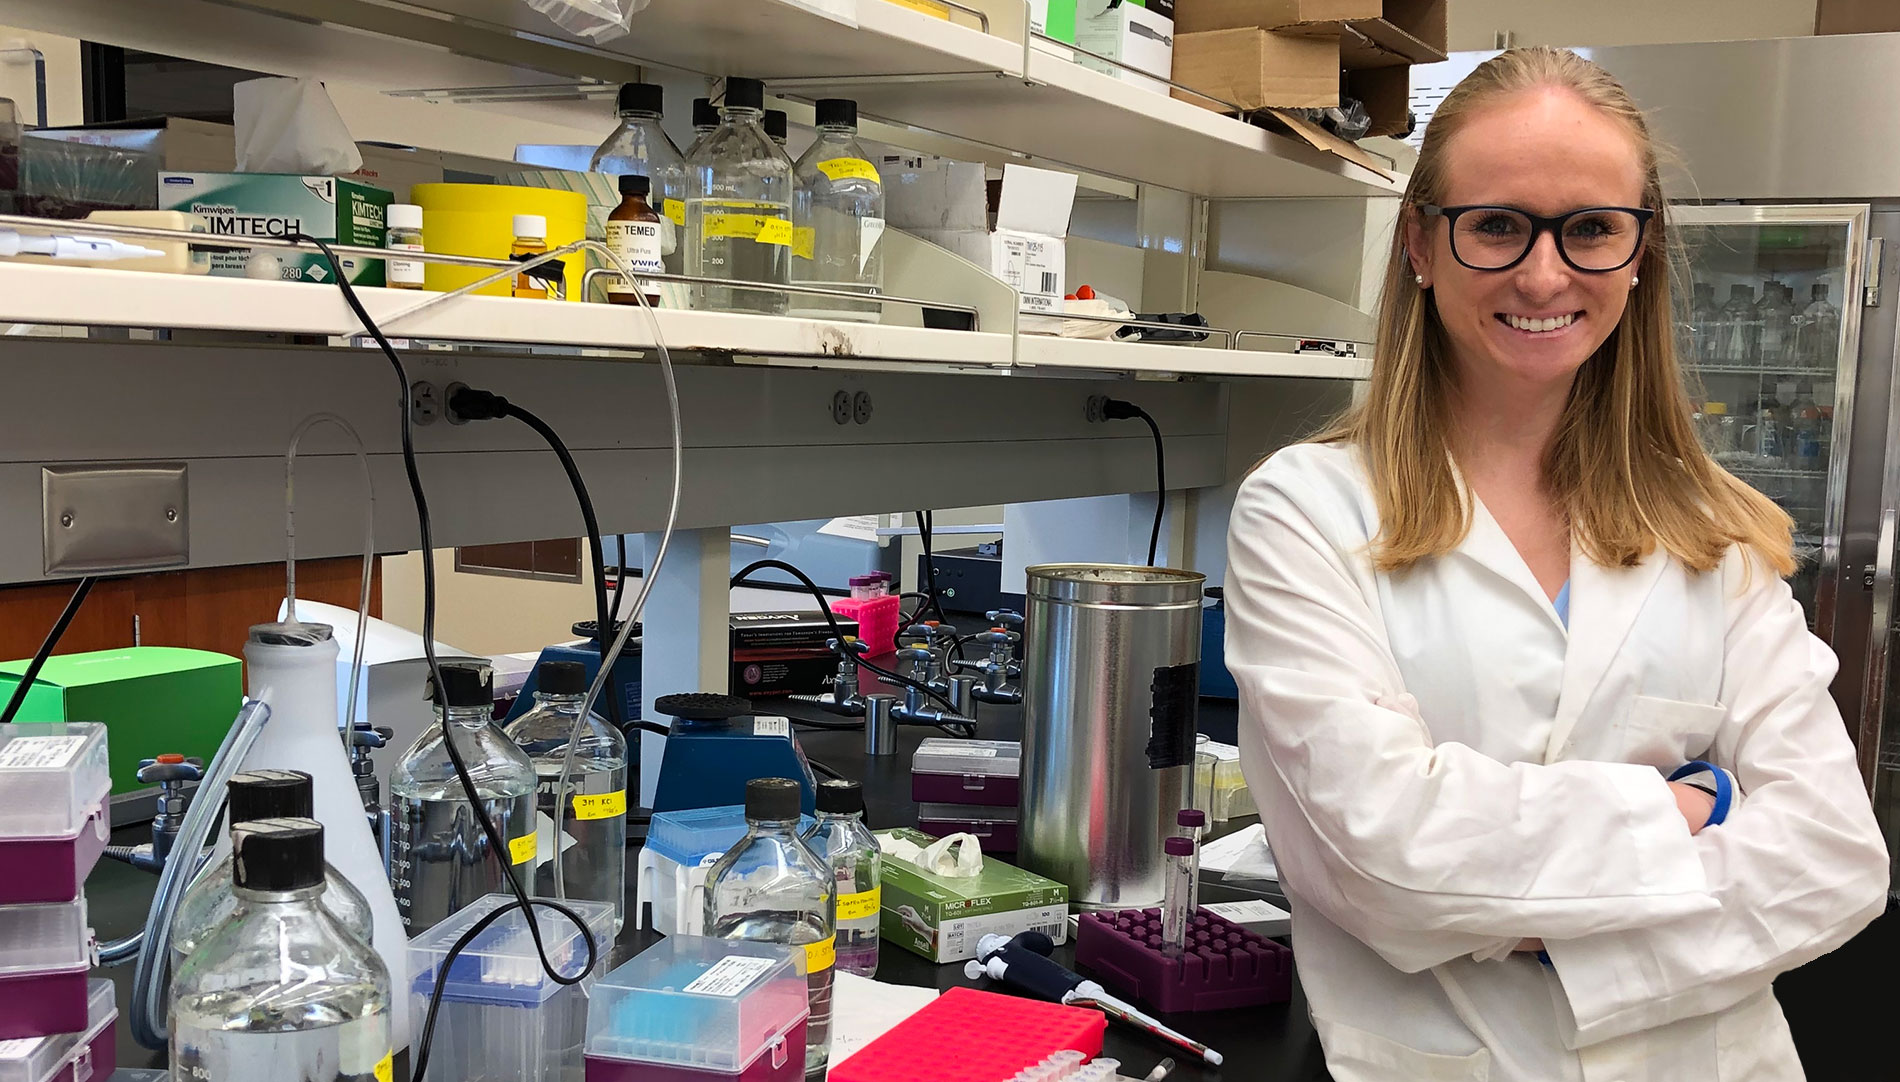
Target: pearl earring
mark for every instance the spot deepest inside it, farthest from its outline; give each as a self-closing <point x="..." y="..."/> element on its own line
<point x="1420" y="279"/>
<point x="1635" y="278"/>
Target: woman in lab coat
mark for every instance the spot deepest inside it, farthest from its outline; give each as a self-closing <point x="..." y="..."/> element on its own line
<point x="1479" y="626"/>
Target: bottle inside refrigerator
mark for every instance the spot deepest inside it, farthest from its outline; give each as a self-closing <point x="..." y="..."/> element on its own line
<point x="1820" y="329"/>
<point x="1738" y="327"/>
<point x="1703" y="315"/>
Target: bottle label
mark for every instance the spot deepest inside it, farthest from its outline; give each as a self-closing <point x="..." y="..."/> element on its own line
<point x="765" y="229"/>
<point x="636" y="242"/>
<point x="804" y="242"/>
<point x="600" y="805"/>
<point x="674" y="209"/>
<point x="386" y="1068"/>
<point x="406" y="272"/>
<point x="822" y="955"/>
<point x="522" y="850"/>
<point x="849" y="168"/>
<point x="860" y="906"/>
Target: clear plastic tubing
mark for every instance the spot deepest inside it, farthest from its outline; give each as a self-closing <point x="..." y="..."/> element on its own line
<point x="1176" y="903"/>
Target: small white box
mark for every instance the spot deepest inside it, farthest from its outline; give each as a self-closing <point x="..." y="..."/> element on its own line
<point x="1136" y="36"/>
<point x="943" y="202"/>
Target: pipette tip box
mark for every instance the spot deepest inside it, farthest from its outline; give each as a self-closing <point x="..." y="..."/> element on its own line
<point x="985" y="772"/>
<point x="90" y="1053"/>
<point x="1223" y="966"/>
<point x="45" y="951"/>
<point x="693" y="1009"/>
<point x="994" y="1036"/>
<point x="54" y="820"/>
<point x="502" y="1016"/>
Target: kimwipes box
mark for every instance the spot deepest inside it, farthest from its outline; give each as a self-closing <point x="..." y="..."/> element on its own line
<point x="946" y="203"/>
<point x="942" y="918"/>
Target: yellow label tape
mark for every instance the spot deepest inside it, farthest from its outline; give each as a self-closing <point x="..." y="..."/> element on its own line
<point x="522" y="849"/>
<point x="754" y="227"/>
<point x="859" y="906"/>
<point x="600" y="805"/>
<point x="822" y="955"/>
<point x="674" y="209"/>
<point x="386" y="1068"/>
<point x="852" y="168"/>
<point x="804" y="242"/>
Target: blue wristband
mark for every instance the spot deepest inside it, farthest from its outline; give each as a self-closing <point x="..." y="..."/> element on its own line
<point x="1724" y="788"/>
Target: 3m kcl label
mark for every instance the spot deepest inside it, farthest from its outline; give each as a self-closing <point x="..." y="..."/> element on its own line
<point x="386" y="1068"/>
<point x="822" y="955"/>
<point x="765" y="229"/>
<point x="859" y="906"/>
<point x="600" y="805"/>
<point x="852" y="168"/>
<point x="674" y="209"/>
<point x="522" y="849"/>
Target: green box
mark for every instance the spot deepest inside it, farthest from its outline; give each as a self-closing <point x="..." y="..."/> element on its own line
<point x="947" y="917"/>
<point x="1061" y="18"/>
<point x="277" y="205"/>
<point x="151" y="699"/>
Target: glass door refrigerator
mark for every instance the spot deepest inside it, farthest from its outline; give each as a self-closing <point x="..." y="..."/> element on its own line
<point x="1770" y="322"/>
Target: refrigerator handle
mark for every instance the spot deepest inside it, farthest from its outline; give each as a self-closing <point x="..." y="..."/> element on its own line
<point x="1871" y="294"/>
<point x="1869" y="738"/>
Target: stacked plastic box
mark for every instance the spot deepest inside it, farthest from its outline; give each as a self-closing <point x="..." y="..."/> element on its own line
<point x="54" y="786"/>
<point x="681" y="847"/>
<point x="691" y="1009"/>
<point x="501" y="1016"/>
<point x="969" y="787"/>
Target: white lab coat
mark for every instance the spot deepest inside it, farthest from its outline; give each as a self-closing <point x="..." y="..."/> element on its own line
<point x="1443" y="770"/>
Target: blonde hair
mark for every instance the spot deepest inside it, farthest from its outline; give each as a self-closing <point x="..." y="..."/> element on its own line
<point x="1624" y="463"/>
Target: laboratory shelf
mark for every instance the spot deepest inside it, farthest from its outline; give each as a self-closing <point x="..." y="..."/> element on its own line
<point x="98" y="297"/>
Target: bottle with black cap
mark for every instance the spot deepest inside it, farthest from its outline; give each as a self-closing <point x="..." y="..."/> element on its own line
<point x="641" y="147"/>
<point x="705" y="121"/>
<point x="209" y="903"/>
<point x="440" y="858"/>
<point x="778" y="128"/>
<point x="739" y="208"/>
<point x="837" y="219"/>
<point x="770" y="887"/>
<point x="281" y="990"/>
<point x="634" y="234"/>
<point x="841" y="837"/>
<point x="592" y="806"/>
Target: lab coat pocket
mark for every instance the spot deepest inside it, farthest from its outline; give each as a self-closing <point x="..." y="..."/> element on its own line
<point x="1355" y="1055"/>
<point x="1666" y="733"/>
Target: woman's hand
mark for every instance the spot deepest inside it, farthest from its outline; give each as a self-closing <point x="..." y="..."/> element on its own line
<point x="1695" y="804"/>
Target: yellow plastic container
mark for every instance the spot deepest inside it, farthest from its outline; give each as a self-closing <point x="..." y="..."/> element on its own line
<point x="478" y="220"/>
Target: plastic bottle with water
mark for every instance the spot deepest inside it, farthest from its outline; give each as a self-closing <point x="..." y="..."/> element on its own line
<point x="841" y="838"/>
<point x="771" y="888"/>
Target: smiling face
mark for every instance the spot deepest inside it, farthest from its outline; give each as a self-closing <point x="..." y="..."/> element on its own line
<point x="1549" y="152"/>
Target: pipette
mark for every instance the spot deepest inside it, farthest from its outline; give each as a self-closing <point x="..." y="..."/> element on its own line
<point x="71" y="246"/>
<point x="1023" y="963"/>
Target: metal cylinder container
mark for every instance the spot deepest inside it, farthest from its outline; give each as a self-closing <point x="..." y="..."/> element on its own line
<point x="1111" y="679"/>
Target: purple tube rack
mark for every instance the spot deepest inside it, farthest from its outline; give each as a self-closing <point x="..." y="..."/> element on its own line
<point x="1224" y="965"/>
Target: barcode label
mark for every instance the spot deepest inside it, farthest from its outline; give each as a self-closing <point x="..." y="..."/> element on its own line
<point x="1053" y="931"/>
<point x="1048" y="282"/>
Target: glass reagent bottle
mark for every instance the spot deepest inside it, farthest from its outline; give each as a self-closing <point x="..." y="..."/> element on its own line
<point x="841" y="838"/>
<point x="739" y="209"/>
<point x="837" y="219"/>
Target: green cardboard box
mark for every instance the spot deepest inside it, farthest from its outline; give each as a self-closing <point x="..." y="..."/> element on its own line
<point x="151" y="699"/>
<point x="277" y="205"/>
<point x="942" y="919"/>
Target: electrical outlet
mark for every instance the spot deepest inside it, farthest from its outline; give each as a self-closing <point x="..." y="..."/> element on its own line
<point x="1097" y="408"/>
<point x="861" y="407"/>
<point x="424" y="405"/>
<point x="841" y="407"/>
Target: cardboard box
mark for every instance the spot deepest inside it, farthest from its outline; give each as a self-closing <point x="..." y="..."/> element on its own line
<point x="1258" y="69"/>
<point x="1129" y="33"/>
<point x="942" y="919"/>
<point x="1384" y="33"/>
<point x="944" y="202"/>
<point x="151" y="699"/>
<point x="1387" y="94"/>
<point x="276" y="205"/>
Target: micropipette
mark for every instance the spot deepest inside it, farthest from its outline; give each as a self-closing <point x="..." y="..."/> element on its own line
<point x="1023" y="963"/>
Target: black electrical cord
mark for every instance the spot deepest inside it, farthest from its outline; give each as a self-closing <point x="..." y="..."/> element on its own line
<point x="824" y="606"/>
<point x="620" y="583"/>
<point x="497" y="845"/>
<point x="926" y="527"/>
<point x="1117" y="410"/>
<point x="46" y="650"/>
<point x="476" y="405"/>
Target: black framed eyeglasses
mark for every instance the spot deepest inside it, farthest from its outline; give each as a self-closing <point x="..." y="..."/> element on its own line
<point x="1593" y="240"/>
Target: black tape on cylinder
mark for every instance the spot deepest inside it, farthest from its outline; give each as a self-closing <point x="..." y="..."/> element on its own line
<point x="1175" y="716"/>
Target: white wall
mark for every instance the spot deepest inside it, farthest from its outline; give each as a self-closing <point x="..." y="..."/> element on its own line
<point x="63" y="103"/>
<point x="1474" y="23"/>
<point x="485" y="614"/>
